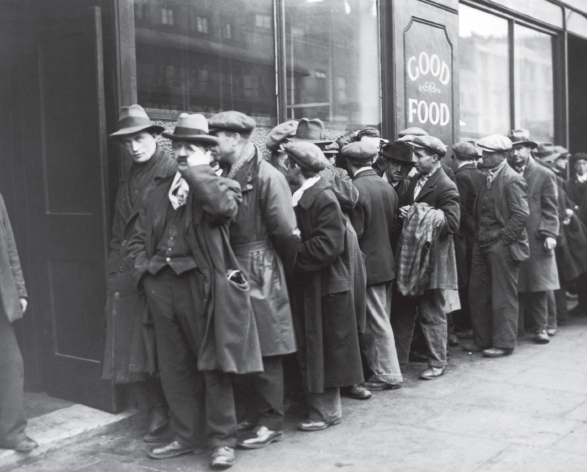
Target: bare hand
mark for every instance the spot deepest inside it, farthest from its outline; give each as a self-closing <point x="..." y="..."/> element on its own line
<point x="549" y="243"/>
<point x="23" y="304"/>
<point x="403" y="211"/>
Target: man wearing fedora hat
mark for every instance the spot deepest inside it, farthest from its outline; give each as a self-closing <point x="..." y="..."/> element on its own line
<point x="264" y="238"/>
<point x="129" y="355"/>
<point x="180" y="257"/>
<point x="539" y="273"/>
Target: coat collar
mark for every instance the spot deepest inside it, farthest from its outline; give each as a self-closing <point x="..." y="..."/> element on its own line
<point x="429" y="185"/>
<point x="464" y="167"/>
<point x="312" y="193"/>
<point x="365" y="173"/>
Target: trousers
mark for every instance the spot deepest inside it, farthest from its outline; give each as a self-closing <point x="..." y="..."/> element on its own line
<point x="201" y="402"/>
<point x="533" y="311"/>
<point x="12" y="419"/>
<point x="429" y="310"/>
<point x="378" y="342"/>
<point x="493" y="296"/>
<point x="259" y="397"/>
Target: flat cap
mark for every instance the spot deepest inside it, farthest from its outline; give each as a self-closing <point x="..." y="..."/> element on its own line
<point x="330" y="148"/>
<point x="231" y="121"/>
<point x="360" y="152"/>
<point x="465" y="151"/>
<point x="369" y="131"/>
<point x="279" y="135"/>
<point x="430" y="143"/>
<point x="414" y="131"/>
<point x="307" y="155"/>
<point x="495" y="143"/>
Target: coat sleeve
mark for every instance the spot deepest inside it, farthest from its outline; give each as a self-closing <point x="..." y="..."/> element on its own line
<point x="448" y="202"/>
<point x="278" y="213"/>
<point x="549" y="219"/>
<point x="219" y="197"/>
<point x="136" y="259"/>
<point x="326" y="241"/>
<point x="357" y="217"/>
<point x="344" y="190"/>
<point x="517" y="193"/>
<point x="12" y="252"/>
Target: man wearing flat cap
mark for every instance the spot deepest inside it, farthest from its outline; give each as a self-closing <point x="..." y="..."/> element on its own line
<point x="179" y="256"/>
<point x="324" y="312"/>
<point x="373" y="218"/>
<point x="539" y="273"/>
<point x="469" y="180"/>
<point x="264" y="239"/>
<point x="501" y="243"/>
<point x="129" y="354"/>
<point x="432" y="187"/>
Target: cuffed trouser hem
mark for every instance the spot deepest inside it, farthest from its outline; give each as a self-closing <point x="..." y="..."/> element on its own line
<point x="391" y="379"/>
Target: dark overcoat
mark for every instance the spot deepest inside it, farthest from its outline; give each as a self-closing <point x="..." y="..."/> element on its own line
<point x="539" y="273"/>
<point x="12" y="287"/>
<point x="227" y="337"/>
<point x="324" y="314"/>
<point x="262" y="236"/>
<point x="129" y="352"/>
<point x="373" y="219"/>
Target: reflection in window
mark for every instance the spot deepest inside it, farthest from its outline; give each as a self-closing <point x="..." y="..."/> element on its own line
<point x="333" y="61"/>
<point x="534" y="89"/>
<point x="206" y="56"/>
<point x="484" y="77"/>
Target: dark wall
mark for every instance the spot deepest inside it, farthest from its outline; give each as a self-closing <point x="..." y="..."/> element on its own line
<point x="577" y="94"/>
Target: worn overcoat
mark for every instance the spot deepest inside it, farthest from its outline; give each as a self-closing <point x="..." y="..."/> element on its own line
<point x="539" y="273"/>
<point x="324" y="314"/>
<point x="262" y="236"/>
<point x="129" y="352"/>
<point x="227" y="337"/>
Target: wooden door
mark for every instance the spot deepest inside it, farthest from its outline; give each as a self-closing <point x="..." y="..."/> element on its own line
<point x="71" y="281"/>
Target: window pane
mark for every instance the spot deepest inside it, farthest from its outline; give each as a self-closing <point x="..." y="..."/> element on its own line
<point x="206" y="56"/>
<point x="333" y="61"/>
<point x="484" y="76"/>
<point x="534" y="83"/>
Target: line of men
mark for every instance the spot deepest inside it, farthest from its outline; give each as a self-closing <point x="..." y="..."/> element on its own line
<point x="222" y="263"/>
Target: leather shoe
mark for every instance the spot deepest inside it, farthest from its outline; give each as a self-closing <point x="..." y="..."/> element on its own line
<point x="245" y="426"/>
<point x="375" y="385"/>
<point x="541" y="337"/>
<point x="222" y="457"/>
<point x="497" y="352"/>
<point x="432" y="373"/>
<point x="358" y="392"/>
<point x="262" y="437"/>
<point x="26" y="445"/>
<point x="472" y="347"/>
<point x="316" y="425"/>
<point x="453" y="341"/>
<point x="173" y="449"/>
<point x="551" y="331"/>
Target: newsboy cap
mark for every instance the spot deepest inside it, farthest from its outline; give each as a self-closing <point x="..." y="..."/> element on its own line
<point x="430" y="143"/>
<point x="133" y="119"/>
<point x="413" y="131"/>
<point x="279" y="135"/>
<point x="369" y="132"/>
<point x="231" y="121"/>
<point x="495" y="143"/>
<point x="306" y="154"/>
<point x="465" y="151"/>
<point x="191" y="128"/>
<point x="359" y="152"/>
<point x="329" y="148"/>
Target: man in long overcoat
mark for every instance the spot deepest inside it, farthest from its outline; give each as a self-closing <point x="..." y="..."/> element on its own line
<point x="373" y="219"/>
<point x="129" y="354"/>
<point x="501" y="243"/>
<point x="204" y="326"/>
<point x="433" y="187"/>
<point x="263" y="236"/>
<point x="13" y="303"/>
<point x="539" y="273"/>
<point x="324" y="313"/>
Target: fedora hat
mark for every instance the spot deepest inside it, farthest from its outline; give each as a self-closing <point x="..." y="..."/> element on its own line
<point x="522" y="136"/>
<point x="191" y="128"/>
<point x="398" y="151"/>
<point x="311" y="131"/>
<point x="546" y="152"/>
<point x="134" y="119"/>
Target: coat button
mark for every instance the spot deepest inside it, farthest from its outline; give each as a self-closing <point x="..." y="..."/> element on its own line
<point x="167" y="259"/>
<point x="121" y="268"/>
<point x="249" y="187"/>
<point x="124" y="242"/>
<point x="117" y="295"/>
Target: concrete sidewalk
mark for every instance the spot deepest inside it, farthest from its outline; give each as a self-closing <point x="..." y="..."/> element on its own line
<point x="525" y="412"/>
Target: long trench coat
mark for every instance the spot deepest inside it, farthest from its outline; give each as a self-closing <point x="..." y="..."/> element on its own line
<point x="262" y="236"/>
<point x="324" y="313"/>
<point x="539" y="273"/>
<point x="227" y="334"/>
<point x="129" y="352"/>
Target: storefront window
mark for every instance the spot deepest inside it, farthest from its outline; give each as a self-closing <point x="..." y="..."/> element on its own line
<point x="534" y="88"/>
<point x="484" y="73"/>
<point x="206" y="56"/>
<point x="332" y="60"/>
